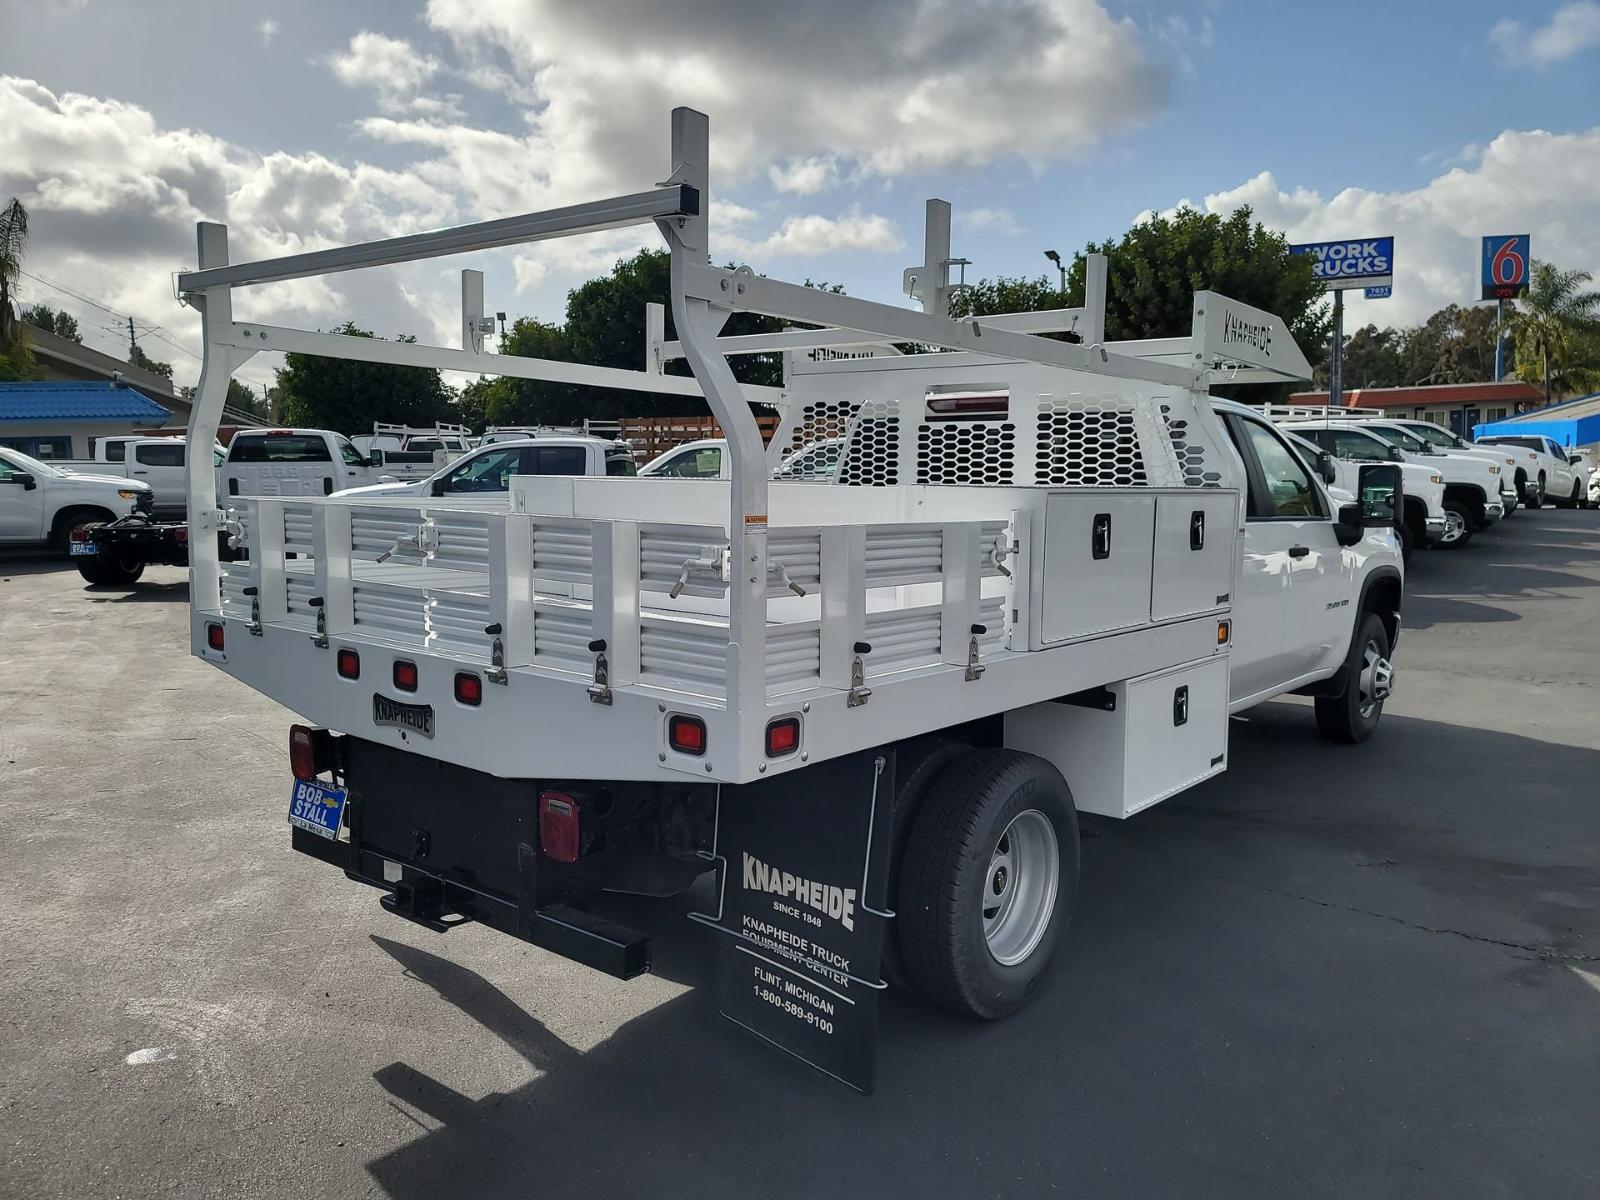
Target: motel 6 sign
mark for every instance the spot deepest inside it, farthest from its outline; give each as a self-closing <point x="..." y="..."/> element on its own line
<point x="1506" y="263"/>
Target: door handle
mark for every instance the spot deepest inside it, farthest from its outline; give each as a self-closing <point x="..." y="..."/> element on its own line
<point x="1100" y="536"/>
<point x="1299" y="551"/>
<point x="141" y="472"/>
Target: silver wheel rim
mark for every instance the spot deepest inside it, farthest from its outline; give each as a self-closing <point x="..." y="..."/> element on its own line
<point x="1019" y="889"/>
<point x="1454" y="527"/>
<point x="1376" y="680"/>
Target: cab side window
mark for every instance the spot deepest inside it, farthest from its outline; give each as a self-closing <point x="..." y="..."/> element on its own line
<point x="1347" y="443"/>
<point x="159" y="454"/>
<point x="488" y="472"/>
<point x="1281" y="487"/>
<point x="704" y="463"/>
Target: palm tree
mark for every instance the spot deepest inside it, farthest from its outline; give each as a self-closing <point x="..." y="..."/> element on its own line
<point x="13" y="238"/>
<point x="1556" y="320"/>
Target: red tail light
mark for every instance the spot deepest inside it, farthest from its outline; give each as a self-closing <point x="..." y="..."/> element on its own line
<point x="469" y="688"/>
<point x="783" y="736"/>
<point x="214" y="636"/>
<point x="349" y="664"/>
<point x="181" y="534"/>
<point x="311" y="751"/>
<point x="687" y="735"/>
<point x="560" y="825"/>
<point x="405" y="675"/>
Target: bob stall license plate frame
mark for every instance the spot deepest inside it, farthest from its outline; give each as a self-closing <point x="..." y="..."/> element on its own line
<point x="84" y="549"/>
<point x="317" y="807"/>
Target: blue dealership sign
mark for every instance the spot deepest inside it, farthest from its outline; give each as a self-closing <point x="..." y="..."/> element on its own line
<point x="1507" y="258"/>
<point x="1379" y="293"/>
<point x="1351" y="264"/>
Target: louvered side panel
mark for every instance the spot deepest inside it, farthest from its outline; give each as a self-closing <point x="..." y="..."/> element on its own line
<point x="902" y="638"/>
<point x="684" y="654"/>
<point x="563" y="550"/>
<point x="396" y="615"/>
<point x="456" y="622"/>
<point x="561" y="637"/>
<point x="794" y="658"/>
<point x="462" y="539"/>
<point x="904" y="554"/>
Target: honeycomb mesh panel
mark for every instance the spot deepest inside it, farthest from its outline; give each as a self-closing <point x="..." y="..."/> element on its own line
<point x="1081" y="443"/>
<point x="1191" y="455"/>
<point x="872" y="458"/>
<point x="820" y="422"/>
<point x="967" y="452"/>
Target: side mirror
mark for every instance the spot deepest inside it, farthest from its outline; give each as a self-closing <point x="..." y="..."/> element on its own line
<point x="375" y="458"/>
<point x="1395" y="454"/>
<point x="1325" y="467"/>
<point x="437" y="488"/>
<point x="1377" y="506"/>
<point x="27" y="481"/>
<point x="1574" y="459"/>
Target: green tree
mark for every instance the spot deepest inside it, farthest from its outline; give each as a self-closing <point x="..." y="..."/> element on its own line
<point x="13" y="241"/>
<point x="16" y="360"/>
<point x="1454" y="345"/>
<point x="1154" y="270"/>
<point x="241" y="398"/>
<point x="56" y="321"/>
<point x="348" y="396"/>
<point x="604" y="326"/>
<point x="138" y="358"/>
<point x="1554" y="327"/>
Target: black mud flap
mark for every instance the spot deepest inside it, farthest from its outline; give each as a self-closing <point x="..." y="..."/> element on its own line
<point x="803" y="863"/>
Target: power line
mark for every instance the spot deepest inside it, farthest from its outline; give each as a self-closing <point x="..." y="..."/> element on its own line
<point x="66" y="291"/>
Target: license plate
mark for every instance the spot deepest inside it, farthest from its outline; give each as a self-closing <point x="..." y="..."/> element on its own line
<point x="416" y="718"/>
<point x="82" y="549"/>
<point x="317" y="807"/>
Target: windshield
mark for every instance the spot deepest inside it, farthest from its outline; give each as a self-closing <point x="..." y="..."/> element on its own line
<point x="1436" y="434"/>
<point x="1405" y="439"/>
<point x="31" y="466"/>
<point x="348" y="452"/>
<point x="1527" y="443"/>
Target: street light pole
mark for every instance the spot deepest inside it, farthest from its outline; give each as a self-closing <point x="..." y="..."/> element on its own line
<point x="1060" y="268"/>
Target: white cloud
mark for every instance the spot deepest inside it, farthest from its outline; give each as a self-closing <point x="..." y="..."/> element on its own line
<point x="992" y="220"/>
<point x="267" y="29"/>
<point x="968" y="82"/>
<point x="1572" y="29"/>
<point x="805" y="176"/>
<point x="1531" y="182"/>
<point x="813" y="236"/>
<point x="390" y="67"/>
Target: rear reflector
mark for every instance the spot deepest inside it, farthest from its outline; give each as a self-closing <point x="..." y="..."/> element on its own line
<point x="181" y="534"/>
<point x="214" y="636"/>
<point x="405" y="675"/>
<point x="783" y="736"/>
<point x="469" y="688"/>
<point x="349" y="664"/>
<point x="686" y="735"/>
<point x="559" y="826"/>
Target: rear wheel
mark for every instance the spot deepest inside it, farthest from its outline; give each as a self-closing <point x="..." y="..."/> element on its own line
<point x="1576" y="499"/>
<point x="1408" y="540"/>
<point x="989" y="882"/>
<point x="1533" y="493"/>
<point x="1351" y="716"/>
<point x="917" y="765"/>
<point x="1458" y="522"/>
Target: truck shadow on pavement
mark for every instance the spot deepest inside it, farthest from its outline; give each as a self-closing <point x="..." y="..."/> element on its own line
<point x="1338" y="966"/>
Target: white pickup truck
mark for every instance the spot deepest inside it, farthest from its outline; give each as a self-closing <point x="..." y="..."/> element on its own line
<point x="160" y="462"/>
<point x="1550" y="472"/>
<point x="490" y="468"/>
<point x="1422" y="517"/>
<point x="297" y="462"/>
<point x="1471" y="484"/>
<point x="872" y="709"/>
<point x="43" y="505"/>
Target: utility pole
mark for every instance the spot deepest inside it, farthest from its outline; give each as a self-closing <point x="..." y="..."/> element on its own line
<point x="133" y="346"/>
<point x="1336" y="354"/>
<point x="1499" y="336"/>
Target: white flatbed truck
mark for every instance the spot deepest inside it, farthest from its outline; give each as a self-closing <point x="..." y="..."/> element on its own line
<point x="872" y="705"/>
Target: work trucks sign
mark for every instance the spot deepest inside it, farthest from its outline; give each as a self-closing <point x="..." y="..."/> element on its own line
<point x="804" y="865"/>
<point x="1365" y="263"/>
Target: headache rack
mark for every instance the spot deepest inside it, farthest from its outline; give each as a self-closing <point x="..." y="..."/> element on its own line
<point x="1002" y="520"/>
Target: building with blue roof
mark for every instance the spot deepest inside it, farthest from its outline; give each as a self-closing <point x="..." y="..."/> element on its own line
<point x="60" y="418"/>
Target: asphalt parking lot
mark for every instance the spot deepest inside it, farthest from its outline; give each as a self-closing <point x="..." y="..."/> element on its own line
<point x="1341" y="972"/>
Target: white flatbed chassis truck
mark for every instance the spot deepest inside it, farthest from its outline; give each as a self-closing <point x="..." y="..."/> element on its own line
<point x="873" y="706"/>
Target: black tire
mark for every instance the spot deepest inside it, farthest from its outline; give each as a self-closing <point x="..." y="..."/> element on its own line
<point x="946" y="879"/>
<point x="74" y="518"/>
<point x="119" y="571"/>
<point x="1460" y="525"/>
<point x="1533" y="493"/>
<point x="1576" y="499"/>
<point x="917" y="764"/>
<point x="1408" y="540"/>
<point x="89" y="568"/>
<point x="1352" y="716"/>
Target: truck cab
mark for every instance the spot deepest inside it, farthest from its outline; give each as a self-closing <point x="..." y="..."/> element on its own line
<point x="42" y="505"/>
<point x="490" y="468"/>
<point x="1422" y="520"/>
<point x="296" y="462"/>
<point x="1551" y="474"/>
<point x="160" y="462"/>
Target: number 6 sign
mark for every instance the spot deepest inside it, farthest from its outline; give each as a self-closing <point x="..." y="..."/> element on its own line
<point x="1505" y="266"/>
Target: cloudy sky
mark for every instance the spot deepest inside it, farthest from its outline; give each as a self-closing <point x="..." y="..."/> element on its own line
<point x="1046" y="123"/>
